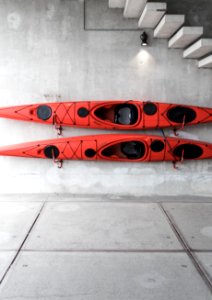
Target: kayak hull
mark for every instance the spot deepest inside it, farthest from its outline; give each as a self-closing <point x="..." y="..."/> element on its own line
<point x="122" y="115"/>
<point x="113" y="147"/>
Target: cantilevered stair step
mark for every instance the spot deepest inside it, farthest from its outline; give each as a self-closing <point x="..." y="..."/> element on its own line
<point x="152" y="14"/>
<point x="116" y="3"/>
<point x="134" y="8"/>
<point x="185" y="36"/>
<point x="168" y="26"/>
<point x="199" y="49"/>
<point x="205" y="62"/>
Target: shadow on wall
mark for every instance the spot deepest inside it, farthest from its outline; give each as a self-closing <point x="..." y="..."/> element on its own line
<point x="198" y="12"/>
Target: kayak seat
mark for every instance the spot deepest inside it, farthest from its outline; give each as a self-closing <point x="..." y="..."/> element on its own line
<point x="126" y="114"/>
<point x="129" y="150"/>
<point x="133" y="150"/>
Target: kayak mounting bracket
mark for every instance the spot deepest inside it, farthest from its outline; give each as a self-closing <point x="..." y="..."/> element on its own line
<point x="58" y="127"/>
<point x="175" y="165"/>
<point x="56" y="161"/>
<point x="59" y="164"/>
<point x="176" y="161"/>
<point x="181" y="127"/>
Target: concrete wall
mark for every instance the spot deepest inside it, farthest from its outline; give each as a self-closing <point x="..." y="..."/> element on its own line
<point x="198" y="13"/>
<point x="46" y="55"/>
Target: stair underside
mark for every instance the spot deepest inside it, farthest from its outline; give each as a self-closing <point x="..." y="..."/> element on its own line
<point x="205" y="62"/>
<point x="185" y="36"/>
<point x="168" y="26"/>
<point x="152" y="14"/>
<point x="198" y="49"/>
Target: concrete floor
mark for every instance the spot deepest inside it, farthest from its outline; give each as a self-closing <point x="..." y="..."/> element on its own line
<point x="74" y="248"/>
<point x="94" y="230"/>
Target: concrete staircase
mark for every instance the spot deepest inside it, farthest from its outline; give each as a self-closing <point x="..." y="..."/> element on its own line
<point x="169" y="26"/>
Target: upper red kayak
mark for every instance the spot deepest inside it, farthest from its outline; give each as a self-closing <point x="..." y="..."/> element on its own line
<point x="128" y="115"/>
<point x="113" y="147"/>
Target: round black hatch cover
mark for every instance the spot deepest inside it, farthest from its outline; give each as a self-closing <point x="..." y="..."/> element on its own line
<point x="83" y="112"/>
<point x="181" y="114"/>
<point x="90" y="152"/>
<point x="51" y="151"/>
<point x="188" y="151"/>
<point x="157" y="146"/>
<point x="150" y="108"/>
<point x="44" y="112"/>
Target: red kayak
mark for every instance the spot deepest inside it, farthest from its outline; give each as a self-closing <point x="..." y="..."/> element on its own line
<point x="128" y="115"/>
<point x="113" y="147"/>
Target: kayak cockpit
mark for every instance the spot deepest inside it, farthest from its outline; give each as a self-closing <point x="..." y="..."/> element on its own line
<point x="123" y="114"/>
<point x="131" y="150"/>
<point x="181" y="114"/>
<point x="188" y="151"/>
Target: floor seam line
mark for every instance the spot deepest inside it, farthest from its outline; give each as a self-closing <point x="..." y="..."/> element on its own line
<point x="104" y="251"/>
<point x="22" y="244"/>
<point x="191" y="254"/>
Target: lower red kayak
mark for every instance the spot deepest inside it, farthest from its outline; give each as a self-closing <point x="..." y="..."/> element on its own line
<point x="128" y="115"/>
<point x="113" y="147"/>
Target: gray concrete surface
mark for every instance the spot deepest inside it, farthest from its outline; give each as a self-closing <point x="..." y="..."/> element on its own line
<point x="195" y="223"/>
<point x="152" y="14"/>
<point x="15" y="221"/>
<point x="116" y="3"/>
<point x="206" y="62"/>
<point x="134" y="8"/>
<point x="199" y="49"/>
<point x="116" y="276"/>
<point x="168" y="25"/>
<point x="122" y="251"/>
<point x="45" y="52"/>
<point x="185" y="36"/>
<point x="5" y="260"/>
<point x="98" y="16"/>
<point x="198" y="12"/>
<point x="206" y="260"/>
<point x="116" y="226"/>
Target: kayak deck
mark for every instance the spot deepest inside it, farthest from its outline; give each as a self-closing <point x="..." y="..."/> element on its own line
<point x="112" y="147"/>
<point x="123" y="115"/>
